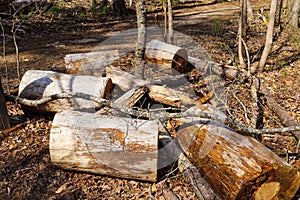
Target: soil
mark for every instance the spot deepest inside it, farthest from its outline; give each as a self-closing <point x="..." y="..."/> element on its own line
<point x="43" y="39"/>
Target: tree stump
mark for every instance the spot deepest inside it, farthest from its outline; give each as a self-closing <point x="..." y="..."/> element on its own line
<point x="36" y="84"/>
<point x="114" y="146"/>
<point x="4" y="121"/>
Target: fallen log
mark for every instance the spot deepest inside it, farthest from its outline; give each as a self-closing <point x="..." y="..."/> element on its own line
<point x="119" y="147"/>
<point x="166" y="55"/>
<point x="4" y="121"/>
<point x="283" y="115"/>
<point x="37" y="84"/>
<point x="92" y="63"/>
<point x="157" y="93"/>
<point x="236" y="166"/>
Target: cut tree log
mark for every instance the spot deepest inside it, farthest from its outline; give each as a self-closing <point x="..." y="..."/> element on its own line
<point x="37" y="84"/>
<point x="92" y="63"/>
<point x="166" y="55"/>
<point x="236" y="166"/>
<point x="157" y="93"/>
<point x="120" y="147"/>
<point x="4" y="121"/>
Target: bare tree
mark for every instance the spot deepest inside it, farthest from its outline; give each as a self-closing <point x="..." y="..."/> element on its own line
<point x="269" y="37"/>
<point x="170" y="22"/>
<point x="118" y="6"/>
<point x="4" y="121"/>
<point x="141" y="14"/>
<point x="249" y="10"/>
<point x="242" y="31"/>
<point x="295" y="13"/>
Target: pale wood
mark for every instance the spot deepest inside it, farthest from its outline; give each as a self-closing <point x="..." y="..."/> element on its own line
<point x="236" y="166"/>
<point x="157" y="93"/>
<point x="131" y="97"/>
<point x="4" y="120"/>
<point x="37" y="84"/>
<point x="113" y="146"/>
<point x="166" y="55"/>
<point x="92" y="63"/>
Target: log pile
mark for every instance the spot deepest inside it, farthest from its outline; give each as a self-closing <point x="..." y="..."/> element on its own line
<point x="120" y="138"/>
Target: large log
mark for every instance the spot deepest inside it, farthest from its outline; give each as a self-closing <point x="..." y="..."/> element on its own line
<point x="158" y="93"/>
<point x="166" y="55"/>
<point x="92" y="63"/>
<point x="4" y="121"/>
<point x="36" y="84"/>
<point x="120" y="147"/>
<point x="236" y="166"/>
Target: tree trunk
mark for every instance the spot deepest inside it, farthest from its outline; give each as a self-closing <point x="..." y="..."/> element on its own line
<point x="4" y="121"/>
<point x="269" y="37"/>
<point x="165" y="8"/>
<point x="170" y="23"/>
<point x="249" y="10"/>
<point x="295" y="13"/>
<point x="141" y="14"/>
<point x="37" y="84"/>
<point x="242" y="31"/>
<point x="119" y="6"/>
<point x="236" y="166"/>
<point x="113" y="146"/>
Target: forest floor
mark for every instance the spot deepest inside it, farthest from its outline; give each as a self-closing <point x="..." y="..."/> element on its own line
<point x="44" y="39"/>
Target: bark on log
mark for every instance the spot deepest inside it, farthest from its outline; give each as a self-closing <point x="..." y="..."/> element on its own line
<point x="92" y="63"/>
<point x="37" y="84"/>
<point x="166" y="55"/>
<point x="158" y="93"/>
<point x="236" y="166"/>
<point x="120" y="147"/>
<point x="4" y="121"/>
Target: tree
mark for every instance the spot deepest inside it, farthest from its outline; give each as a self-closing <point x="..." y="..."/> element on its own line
<point x="141" y="15"/>
<point x="269" y="37"/>
<point x="242" y="30"/>
<point x="4" y="121"/>
<point x="170" y="22"/>
<point x="295" y="13"/>
<point x="118" y="6"/>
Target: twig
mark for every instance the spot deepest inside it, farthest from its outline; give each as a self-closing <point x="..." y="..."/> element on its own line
<point x="255" y="108"/>
<point x="4" y="50"/>
<point x="248" y="57"/>
<point x="13" y="31"/>
<point x="244" y="107"/>
<point x="158" y="114"/>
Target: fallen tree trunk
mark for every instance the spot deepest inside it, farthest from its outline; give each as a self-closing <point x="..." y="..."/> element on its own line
<point x="36" y="84"/>
<point x="283" y="115"/>
<point x="120" y="147"/>
<point x="166" y="56"/>
<point x="4" y="121"/>
<point x="157" y="93"/>
<point x="92" y="63"/>
<point x="236" y="166"/>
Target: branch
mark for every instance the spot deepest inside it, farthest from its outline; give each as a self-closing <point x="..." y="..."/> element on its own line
<point x="152" y="114"/>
